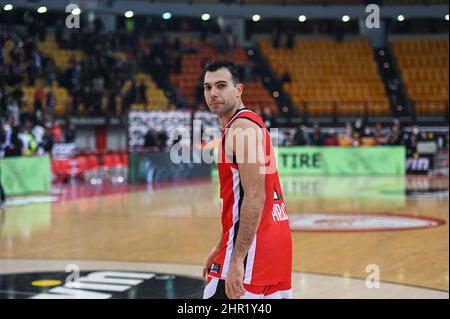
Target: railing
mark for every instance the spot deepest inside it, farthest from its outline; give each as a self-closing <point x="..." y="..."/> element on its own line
<point x="430" y="108"/>
<point x="369" y="108"/>
<point x="336" y="109"/>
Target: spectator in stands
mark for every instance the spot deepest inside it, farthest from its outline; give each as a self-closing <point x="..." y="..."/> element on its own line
<point x="412" y="141"/>
<point x="204" y="30"/>
<point x="199" y="90"/>
<point x="244" y="71"/>
<point x="254" y="73"/>
<point x="49" y="71"/>
<point x="286" y="78"/>
<point x="286" y="139"/>
<point x="316" y="136"/>
<point x="162" y="140"/>
<point x="395" y="138"/>
<point x="13" y="110"/>
<point x="231" y="40"/>
<point x="39" y="96"/>
<point x="301" y="137"/>
<point x="358" y="127"/>
<point x="38" y="132"/>
<point x="70" y="133"/>
<point x="220" y="43"/>
<point x="77" y="96"/>
<point x="14" y="148"/>
<point x="268" y="117"/>
<point x="338" y="31"/>
<point x="290" y="39"/>
<point x="396" y="124"/>
<point x="150" y="137"/>
<point x="5" y="136"/>
<point x="57" y="133"/>
<point x="26" y="115"/>
<point x="112" y="106"/>
<point x="367" y="132"/>
<point x="132" y="93"/>
<point x="179" y="99"/>
<point x="378" y="130"/>
<point x="276" y="38"/>
<point x="59" y="30"/>
<point x="142" y="96"/>
<point x="177" y="63"/>
<point x="47" y="142"/>
<point x="331" y="139"/>
<point x="51" y="102"/>
<point x="379" y="134"/>
<point x="29" y="144"/>
<point x="348" y="133"/>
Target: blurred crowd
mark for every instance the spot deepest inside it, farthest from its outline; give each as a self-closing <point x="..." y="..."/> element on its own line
<point x="360" y="134"/>
<point x="110" y="59"/>
<point x="33" y="137"/>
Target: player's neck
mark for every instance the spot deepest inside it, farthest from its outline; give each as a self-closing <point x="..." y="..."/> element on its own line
<point x="226" y="117"/>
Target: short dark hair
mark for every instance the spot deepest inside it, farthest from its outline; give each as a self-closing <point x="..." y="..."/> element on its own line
<point x="230" y="66"/>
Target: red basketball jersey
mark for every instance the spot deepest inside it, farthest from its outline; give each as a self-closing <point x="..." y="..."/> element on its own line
<point x="269" y="258"/>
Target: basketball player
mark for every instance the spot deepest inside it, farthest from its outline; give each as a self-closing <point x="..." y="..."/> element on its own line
<point x="253" y="258"/>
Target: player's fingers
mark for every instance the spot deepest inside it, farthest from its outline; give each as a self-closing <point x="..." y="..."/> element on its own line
<point x="226" y="290"/>
<point x="204" y="272"/>
<point x="240" y="289"/>
<point x="239" y="292"/>
<point x="229" y="290"/>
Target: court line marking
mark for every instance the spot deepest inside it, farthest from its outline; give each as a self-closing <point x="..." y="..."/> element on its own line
<point x="161" y="263"/>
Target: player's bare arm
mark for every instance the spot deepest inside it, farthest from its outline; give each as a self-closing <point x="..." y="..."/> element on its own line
<point x="209" y="260"/>
<point x="253" y="184"/>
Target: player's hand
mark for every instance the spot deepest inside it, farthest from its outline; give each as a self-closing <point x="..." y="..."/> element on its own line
<point x="208" y="263"/>
<point x="205" y="271"/>
<point x="234" y="286"/>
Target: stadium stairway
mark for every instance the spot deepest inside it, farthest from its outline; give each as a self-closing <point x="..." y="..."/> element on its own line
<point x="273" y="84"/>
<point x="393" y="82"/>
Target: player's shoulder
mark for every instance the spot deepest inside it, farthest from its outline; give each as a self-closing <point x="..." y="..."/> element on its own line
<point x="247" y="120"/>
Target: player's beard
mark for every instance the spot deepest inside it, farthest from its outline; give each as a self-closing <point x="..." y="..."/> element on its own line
<point x="220" y="108"/>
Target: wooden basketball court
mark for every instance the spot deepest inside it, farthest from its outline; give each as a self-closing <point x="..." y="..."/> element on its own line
<point x="172" y="229"/>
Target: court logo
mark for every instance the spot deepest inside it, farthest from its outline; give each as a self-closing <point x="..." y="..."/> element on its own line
<point x="348" y="222"/>
<point x="99" y="285"/>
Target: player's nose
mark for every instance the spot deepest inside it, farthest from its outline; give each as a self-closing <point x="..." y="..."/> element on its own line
<point x="214" y="92"/>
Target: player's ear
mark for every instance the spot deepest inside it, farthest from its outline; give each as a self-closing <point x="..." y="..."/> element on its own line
<point x="239" y="89"/>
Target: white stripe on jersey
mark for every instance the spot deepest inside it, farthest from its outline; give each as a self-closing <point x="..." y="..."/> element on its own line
<point x="210" y="288"/>
<point x="243" y="110"/>
<point x="237" y="196"/>
<point x="281" y="294"/>
<point x="250" y="260"/>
